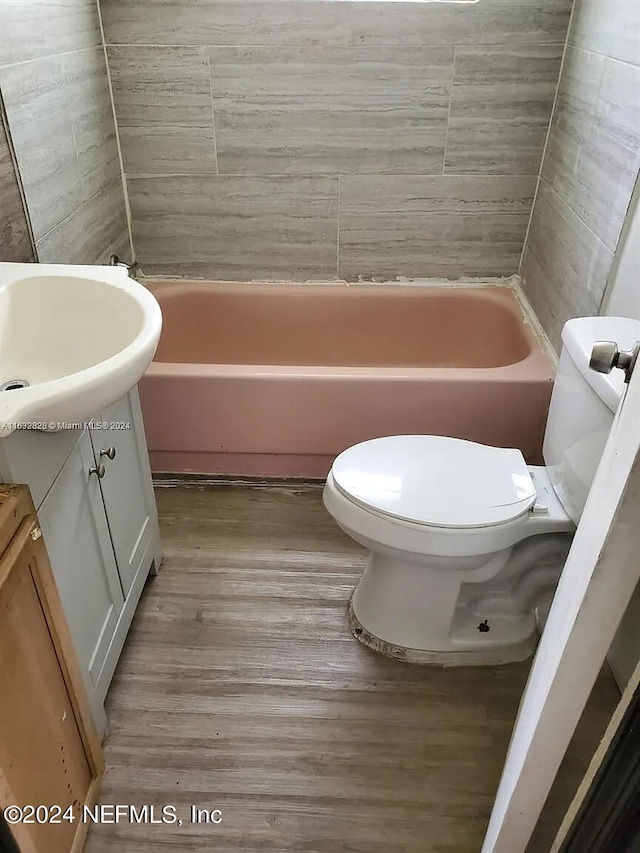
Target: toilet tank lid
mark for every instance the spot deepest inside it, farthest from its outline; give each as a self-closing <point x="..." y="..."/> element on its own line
<point x="579" y="336"/>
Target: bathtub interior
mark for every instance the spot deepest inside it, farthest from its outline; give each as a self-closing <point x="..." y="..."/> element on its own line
<point x="340" y="325"/>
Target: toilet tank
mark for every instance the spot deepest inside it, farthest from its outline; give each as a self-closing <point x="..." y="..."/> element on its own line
<point x="583" y="404"/>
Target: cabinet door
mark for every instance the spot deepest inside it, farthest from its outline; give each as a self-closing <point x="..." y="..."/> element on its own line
<point x="126" y="487"/>
<point x="75" y="530"/>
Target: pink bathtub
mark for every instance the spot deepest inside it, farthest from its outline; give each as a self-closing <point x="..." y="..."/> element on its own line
<point x="275" y="380"/>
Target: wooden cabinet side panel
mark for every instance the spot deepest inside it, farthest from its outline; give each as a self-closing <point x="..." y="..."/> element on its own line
<point x="67" y="659"/>
<point x="43" y="754"/>
<point x="15" y="506"/>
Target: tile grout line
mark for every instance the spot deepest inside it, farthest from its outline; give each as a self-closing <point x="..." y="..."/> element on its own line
<point x="625" y="231"/>
<point x="13" y="156"/>
<point x="313" y="175"/>
<point x="546" y="141"/>
<point x="172" y="45"/>
<point x="347" y="46"/>
<point x="566" y="205"/>
<point x="338" y="229"/>
<point x="213" y="112"/>
<point x="123" y="176"/>
<point x="82" y="204"/>
<point x="604" y="56"/>
<point x="52" y="55"/>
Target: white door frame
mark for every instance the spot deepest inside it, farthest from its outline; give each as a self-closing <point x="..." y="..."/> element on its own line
<point x="600" y="575"/>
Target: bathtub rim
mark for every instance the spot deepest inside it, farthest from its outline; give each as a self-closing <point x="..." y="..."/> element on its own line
<point x="534" y="362"/>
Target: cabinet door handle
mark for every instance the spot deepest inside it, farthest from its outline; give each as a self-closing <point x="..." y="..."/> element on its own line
<point x="109" y="452"/>
<point x="99" y="471"/>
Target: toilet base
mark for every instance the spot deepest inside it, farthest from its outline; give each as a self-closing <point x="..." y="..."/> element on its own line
<point x="491" y="655"/>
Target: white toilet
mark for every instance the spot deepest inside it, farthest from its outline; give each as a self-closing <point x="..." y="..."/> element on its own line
<point x="468" y="541"/>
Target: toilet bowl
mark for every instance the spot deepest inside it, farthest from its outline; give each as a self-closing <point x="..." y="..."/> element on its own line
<point x="445" y="520"/>
<point x="467" y="542"/>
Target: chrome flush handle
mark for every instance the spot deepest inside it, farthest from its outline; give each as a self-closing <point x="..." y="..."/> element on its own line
<point x="605" y="355"/>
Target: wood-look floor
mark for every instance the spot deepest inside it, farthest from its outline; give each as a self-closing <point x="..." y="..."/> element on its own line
<point x="240" y="688"/>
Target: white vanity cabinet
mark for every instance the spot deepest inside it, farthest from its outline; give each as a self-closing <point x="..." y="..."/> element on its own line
<point x="95" y="504"/>
<point x="126" y="488"/>
<point x="76" y="533"/>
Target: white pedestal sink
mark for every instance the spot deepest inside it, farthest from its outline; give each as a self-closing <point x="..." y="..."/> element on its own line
<point x="79" y="336"/>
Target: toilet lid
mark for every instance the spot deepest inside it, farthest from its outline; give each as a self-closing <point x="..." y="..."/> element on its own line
<point x="438" y="481"/>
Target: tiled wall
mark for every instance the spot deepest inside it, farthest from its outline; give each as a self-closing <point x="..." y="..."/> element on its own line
<point x="590" y="166"/>
<point x="310" y="139"/>
<point x="54" y="83"/>
<point x="15" y="240"/>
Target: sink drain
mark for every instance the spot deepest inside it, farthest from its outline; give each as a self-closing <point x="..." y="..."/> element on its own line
<point x="14" y="385"/>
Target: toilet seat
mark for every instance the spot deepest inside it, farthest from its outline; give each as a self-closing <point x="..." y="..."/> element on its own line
<point x="436" y="481"/>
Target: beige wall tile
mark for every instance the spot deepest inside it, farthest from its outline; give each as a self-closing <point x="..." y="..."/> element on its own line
<point x="331" y="109"/>
<point x="488" y="22"/>
<point x="593" y="155"/>
<point x="61" y="122"/>
<point x="609" y="27"/>
<point x="500" y="108"/>
<point x="565" y="266"/>
<point x="590" y="167"/>
<point x="54" y="84"/>
<point x="234" y="227"/>
<point x="432" y="226"/>
<point x="93" y="230"/>
<point x="334" y="89"/>
<point x="163" y="108"/>
<point x="293" y="22"/>
<point x="36" y="28"/>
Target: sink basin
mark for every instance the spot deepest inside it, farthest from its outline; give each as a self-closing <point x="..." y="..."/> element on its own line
<point x="73" y="339"/>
